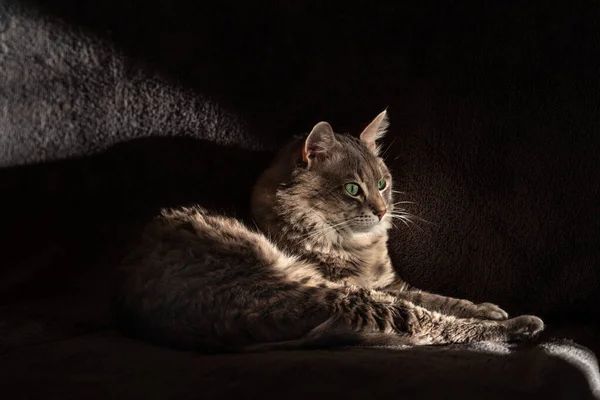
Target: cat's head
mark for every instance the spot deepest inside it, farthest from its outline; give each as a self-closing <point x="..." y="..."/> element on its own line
<point x="336" y="183"/>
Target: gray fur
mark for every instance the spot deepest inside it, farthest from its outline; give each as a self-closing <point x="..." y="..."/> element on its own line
<point x="319" y="274"/>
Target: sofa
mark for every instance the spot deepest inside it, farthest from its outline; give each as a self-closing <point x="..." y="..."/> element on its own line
<point x="110" y="111"/>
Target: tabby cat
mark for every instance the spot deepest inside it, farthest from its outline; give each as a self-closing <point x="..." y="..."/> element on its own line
<point x="318" y="275"/>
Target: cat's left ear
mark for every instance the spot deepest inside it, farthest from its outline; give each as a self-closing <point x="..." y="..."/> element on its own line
<point x="375" y="131"/>
<point x="319" y="144"/>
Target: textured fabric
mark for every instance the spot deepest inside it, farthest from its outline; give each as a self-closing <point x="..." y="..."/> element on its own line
<point x="107" y="365"/>
<point x="65" y="93"/>
<point x="493" y="134"/>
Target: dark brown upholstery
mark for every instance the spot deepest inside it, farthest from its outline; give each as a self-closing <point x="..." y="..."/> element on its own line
<point x="494" y="134"/>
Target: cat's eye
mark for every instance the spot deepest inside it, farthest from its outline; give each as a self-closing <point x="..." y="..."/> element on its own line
<point x="352" y="189"/>
<point x="381" y="184"/>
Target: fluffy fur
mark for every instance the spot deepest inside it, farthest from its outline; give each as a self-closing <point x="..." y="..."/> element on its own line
<point x="319" y="274"/>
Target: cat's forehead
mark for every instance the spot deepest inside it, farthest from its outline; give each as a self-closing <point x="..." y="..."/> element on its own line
<point x="355" y="158"/>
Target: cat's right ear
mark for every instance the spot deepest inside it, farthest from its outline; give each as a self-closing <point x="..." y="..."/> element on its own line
<point x="319" y="144"/>
<point x="375" y="131"/>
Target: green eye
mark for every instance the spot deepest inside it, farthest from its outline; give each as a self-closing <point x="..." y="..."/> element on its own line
<point x="381" y="184"/>
<point x="352" y="189"/>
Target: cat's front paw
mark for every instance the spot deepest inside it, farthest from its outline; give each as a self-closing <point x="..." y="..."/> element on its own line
<point x="524" y="327"/>
<point x="490" y="311"/>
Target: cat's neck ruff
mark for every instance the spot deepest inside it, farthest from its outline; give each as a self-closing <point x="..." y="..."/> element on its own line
<point x="349" y="241"/>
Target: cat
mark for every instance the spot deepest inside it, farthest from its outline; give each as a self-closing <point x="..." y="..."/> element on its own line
<point x="317" y="274"/>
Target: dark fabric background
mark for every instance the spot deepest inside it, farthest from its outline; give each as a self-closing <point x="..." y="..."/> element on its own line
<point x="494" y="136"/>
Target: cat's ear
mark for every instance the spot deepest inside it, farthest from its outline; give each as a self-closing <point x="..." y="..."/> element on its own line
<point x="319" y="143"/>
<point x="375" y="131"/>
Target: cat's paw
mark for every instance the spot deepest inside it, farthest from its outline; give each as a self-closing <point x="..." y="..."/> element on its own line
<point x="524" y="327"/>
<point x="490" y="311"/>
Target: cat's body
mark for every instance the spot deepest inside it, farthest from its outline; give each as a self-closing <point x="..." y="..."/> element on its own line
<point x="318" y="275"/>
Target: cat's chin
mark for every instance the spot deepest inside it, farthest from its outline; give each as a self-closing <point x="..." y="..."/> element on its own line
<point x="376" y="229"/>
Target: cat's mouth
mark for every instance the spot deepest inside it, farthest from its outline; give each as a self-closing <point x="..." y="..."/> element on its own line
<point x="366" y="224"/>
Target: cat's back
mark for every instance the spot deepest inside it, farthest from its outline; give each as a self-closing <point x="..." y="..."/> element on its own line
<point x="190" y="264"/>
<point x="193" y="235"/>
<point x="190" y="247"/>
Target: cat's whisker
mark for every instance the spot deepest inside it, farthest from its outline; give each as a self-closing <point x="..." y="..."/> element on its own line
<point x="307" y="234"/>
<point x="401" y="220"/>
<point x="401" y="214"/>
<point x="407" y="217"/>
<point x="318" y="235"/>
<point x="402" y="211"/>
<point x="405" y="202"/>
<point x="415" y="225"/>
<point x="419" y="218"/>
<point x="314" y="232"/>
<point x="384" y="155"/>
<point x="410" y="224"/>
<point x="322" y="232"/>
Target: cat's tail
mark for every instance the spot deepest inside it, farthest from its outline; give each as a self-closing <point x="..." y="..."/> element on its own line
<point x="331" y="334"/>
<point x="332" y="340"/>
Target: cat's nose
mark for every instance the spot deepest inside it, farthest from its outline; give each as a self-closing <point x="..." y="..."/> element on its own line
<point x="380" y="213"/>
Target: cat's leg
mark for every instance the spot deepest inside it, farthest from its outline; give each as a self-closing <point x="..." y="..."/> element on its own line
<point x="453" y="306"/>
<point x="430" y="327"/>
<point x="424" y="321"/>
<point x="374" y="314"/>
<point x="332" y="310"/>
<point x="446" y="305"/>
<point x="302" y="304"/>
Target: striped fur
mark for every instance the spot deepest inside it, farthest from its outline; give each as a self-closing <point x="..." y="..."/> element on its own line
<point x="318" y="273"/>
